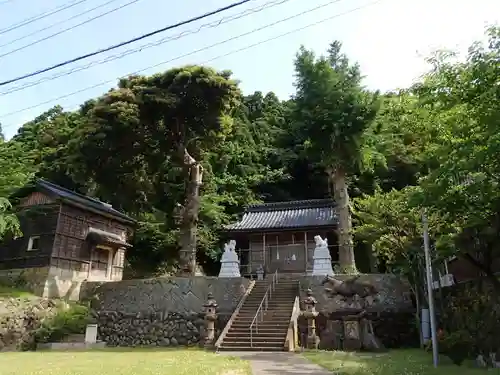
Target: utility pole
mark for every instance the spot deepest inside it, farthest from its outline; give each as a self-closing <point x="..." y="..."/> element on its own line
<point x="428" y="272"/>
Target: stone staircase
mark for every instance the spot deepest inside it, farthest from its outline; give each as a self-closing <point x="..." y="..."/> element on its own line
<point x="270" y="332"/>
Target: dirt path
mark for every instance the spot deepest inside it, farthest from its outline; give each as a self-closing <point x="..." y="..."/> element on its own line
<point x="279" y="363"/>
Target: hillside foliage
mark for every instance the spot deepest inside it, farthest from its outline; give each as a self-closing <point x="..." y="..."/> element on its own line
<point x="184" y="151"/>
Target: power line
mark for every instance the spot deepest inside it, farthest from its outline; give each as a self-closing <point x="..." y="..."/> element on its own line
<point x="55" y="24"/>
<point x="98" y="52"/>
<point x="40" y="16"/>
<point x="5" y="2"/>
<point x="193" y="52"/>
<point x="71" y="28"/>
<point x="143" y="47"/>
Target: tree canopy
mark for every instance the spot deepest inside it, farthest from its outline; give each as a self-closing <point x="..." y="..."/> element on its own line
<point x="185" y="151"/>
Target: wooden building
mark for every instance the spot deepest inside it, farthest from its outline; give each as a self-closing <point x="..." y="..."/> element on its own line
<point x="67" y="238"/>
<point x="280" y="236"/>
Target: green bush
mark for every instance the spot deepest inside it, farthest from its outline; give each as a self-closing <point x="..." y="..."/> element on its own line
<point x="66" y="322"/>
<point x="458" y="346"/>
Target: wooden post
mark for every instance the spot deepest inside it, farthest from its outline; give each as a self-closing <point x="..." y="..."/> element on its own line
<point x="306" y="252"/>
<point x="281" y="255"/>
<point x="264" y="252"/>
<point x="109" y="271"/>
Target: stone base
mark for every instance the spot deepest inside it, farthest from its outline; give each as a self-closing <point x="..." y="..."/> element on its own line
<point x="322" y="267"/>
<point x="313" y="342"/>
<point x="230" y="270"/>
<point x="47" y="282"/>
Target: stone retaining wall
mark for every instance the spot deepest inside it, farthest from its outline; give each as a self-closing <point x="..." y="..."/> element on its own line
<point x="160" y="311"/>
<point x="391" y="311"/>
<point x="393" y="293"/>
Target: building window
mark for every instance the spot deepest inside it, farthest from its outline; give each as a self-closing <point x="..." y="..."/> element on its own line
<point x="34" y="243"/>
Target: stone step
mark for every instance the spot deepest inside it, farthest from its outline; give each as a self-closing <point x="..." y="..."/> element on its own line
<point x="267" y="318"/>
<point x="269" y="313"/>
<point x="276" y="320"/>
<point x="262" y="331"/>
<point x="250" y="349"/>
<point x="255" y="342"/>
<point x="263" y="335"/>
<point x="270" y="306"/>
<point x="275" y="306"/>
<point x="280" y="324"/>
<point x="261" y="327"/>
<point x="277" y="314"/>
<point x="272" y="300"/>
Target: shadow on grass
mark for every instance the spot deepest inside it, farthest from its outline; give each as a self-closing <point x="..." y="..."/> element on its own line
<point x="397" y="362"/>
<point x="8" y="292"/>
<point x="123" y="361"/>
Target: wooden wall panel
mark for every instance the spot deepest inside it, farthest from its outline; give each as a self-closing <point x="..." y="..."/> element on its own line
<point x="34" y="199"/>
<point x="39" y="221"/>
<point x="72" y="229"/>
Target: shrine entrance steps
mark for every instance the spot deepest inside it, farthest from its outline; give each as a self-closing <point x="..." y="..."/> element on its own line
<point x="272" y="330"/>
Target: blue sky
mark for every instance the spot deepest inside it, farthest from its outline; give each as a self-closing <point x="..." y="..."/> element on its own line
<point x="389" y="38"/>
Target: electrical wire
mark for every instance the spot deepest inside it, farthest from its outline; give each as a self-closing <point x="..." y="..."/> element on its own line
<point x="40" y="16"/>
<point x="5" y="2"/>
<point x="143" y="47"/>
<point x="70" y="28"/>
<point x="147" y="35"/>
<point x="55" y="24"/>
<point x="188" y="54"/>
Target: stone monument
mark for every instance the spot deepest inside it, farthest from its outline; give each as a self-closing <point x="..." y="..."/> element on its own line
<point x="322" y="260"/>
<point x="230" y="264"/>
<point x="354" y="299"/>
<point x="310" y="314"/>
<point x="210" y="318"/>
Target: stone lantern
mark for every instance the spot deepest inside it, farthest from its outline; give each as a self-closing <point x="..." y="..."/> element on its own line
<point x="310" y="314"/>
<point x="210" y="318"/>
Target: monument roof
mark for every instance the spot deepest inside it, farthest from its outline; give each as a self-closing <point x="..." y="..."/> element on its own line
<point x="287" y="215"/>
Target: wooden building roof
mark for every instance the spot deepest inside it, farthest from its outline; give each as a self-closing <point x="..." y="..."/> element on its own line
<point x="75" y="199"/>
<point x="287" y="215"/>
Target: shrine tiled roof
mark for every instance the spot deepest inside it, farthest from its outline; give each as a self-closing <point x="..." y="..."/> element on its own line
<point x="287" y="215"/>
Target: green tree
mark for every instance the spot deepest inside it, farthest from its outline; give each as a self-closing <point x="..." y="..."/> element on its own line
<point x="465" y="97"/>
<point x="9" y="224"/>
<point x="332" y="113"/>
<point x="151" y="137"/>
<point x="16" y="168"/>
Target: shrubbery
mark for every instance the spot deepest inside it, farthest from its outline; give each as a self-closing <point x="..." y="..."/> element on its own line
<point x="470" y="320"/>
<point x="72" y="320"/>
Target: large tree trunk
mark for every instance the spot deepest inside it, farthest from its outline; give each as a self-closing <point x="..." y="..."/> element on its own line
<point x="189" y="215"/>
<point x="341" y="195"/>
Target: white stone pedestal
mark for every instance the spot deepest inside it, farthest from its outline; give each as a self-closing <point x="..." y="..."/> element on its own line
<point x="230" y="264"/>
<point x="322" y="261"/>
<point x="91" y="334"/>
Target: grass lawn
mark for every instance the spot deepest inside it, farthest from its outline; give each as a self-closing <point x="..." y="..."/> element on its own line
<point x="121" y="362"/>
<point x="397" y="362"/>
<point x="7" y="292"/>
